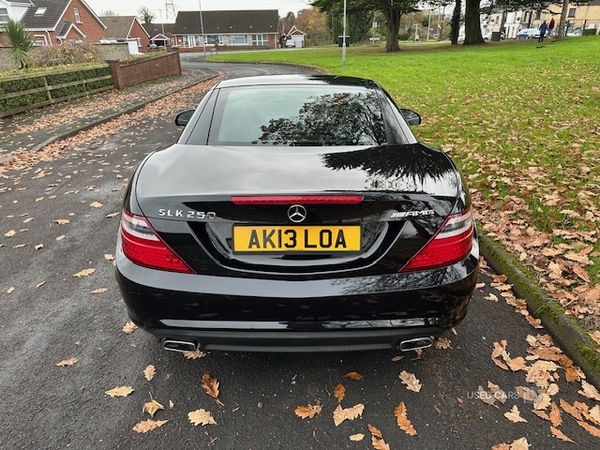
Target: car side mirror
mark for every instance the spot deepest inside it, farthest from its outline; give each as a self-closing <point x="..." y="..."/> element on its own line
<point x="183" y="118"/>
<point x="412" y="117"/>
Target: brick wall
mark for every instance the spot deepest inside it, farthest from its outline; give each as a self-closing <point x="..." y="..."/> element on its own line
<point x="89" y="24"/>
<point x="150" y="69"/>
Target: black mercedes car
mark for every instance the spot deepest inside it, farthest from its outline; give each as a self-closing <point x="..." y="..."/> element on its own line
<point x="297" y="213"/>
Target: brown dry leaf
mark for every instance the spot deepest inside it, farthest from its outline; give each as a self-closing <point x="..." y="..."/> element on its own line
<point x="526" y="393"/>
<point x="308" y="411"/>
<point x="149" y="372"/>
<point x="129" y="327"/>
<point x="152" y="407"/>
<point x="595" y="414"/>
<point x="99" y="291"/>
<point x="560" y="435"/>
<point x="542" y="402"/>
<point x="121" y="391"/>
<point x="201" y="417"/>
<point x="148" y="425"/>
<point x="354" y="376"/>
<point x="109" y="257"/>
<point x="96" y="205"/>
<point x="491" y="298"/>
<point x="571" y="410"/>
<point x="596" y="336"/>
<point x="514" y="415"/>
<point x="589" y="391"/>
<point x="38" y="246"/>
<point x="84" y="273"/>
<point x="194" y="355"/>
<point x="10" y="290"/>
<point x="442" y="344"/>
<point x="10" y="234"/>
<point x="501" y="447"/>
<point x="555" y="415"/>
<point x="40" y="284"/>
<point x="498" y="393"/>
<point x="210" y="385"/>
<point x="339" y="392"/>
<point x="340" y="414"/>
<point x="397" y="358"/>
<point x="516" y="364"/>
<point x="67" y="362"/>
<point x="60" y="238"/>
<point x="520" y="444"/>
<point x="357" y="437"/>
<point x="594" y="431"/>
<point x="402" y="420"/>
<point x="112" y="215"/>
<point x="377" y="439"/>
<point x="62" y="221"/>
<point x="411" y="382"/>
<point x="486" y="397"/>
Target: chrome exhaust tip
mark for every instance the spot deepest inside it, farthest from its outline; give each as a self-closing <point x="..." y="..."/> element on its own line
<point x="415" y="344"/>
<point x="179" y="346"/>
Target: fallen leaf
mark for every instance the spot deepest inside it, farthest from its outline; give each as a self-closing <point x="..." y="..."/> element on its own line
<point x="339" y="391"/>
<point x="340" y="414"/>
<point x="152" y="407"/>
<point x="555" y="415"/>
<point x="357" y="437"/>
<point x="84" y="273"/>
<point x="149" y="372"/>
<point x="96" y="205"/>
<point x="442" y="344"/>
<point x="10" y="290"/>
<point x="195" y="354"/>
<point x="99" y="291"/>
<point x="571" y="410"/>
<point x="201" y="417"/>
<point x="402" y="420"/>
<point x="148" y="425"/>
<point x="589" y="391"/>
<point x="67" y="362"/>
<point x="10" y="234"/>
<point x="121" y="391"/>
<point x="486" y="397"/>
<point x="397" y="358"/>
<point x="112" y="214"/>
<point x="541" y="402"/>
<point x="109" y="257"/>
<point x="595" y="414"/>
<point x="411" y="382"/>
<point x="514" y="415"/>
<point x="560" y="435"/>
<point x="498" y="393"/>
<point x="377" y="439"/>
<point x="594" y="431"/>
<point x="62" y="221"/>
<point x="129" y="327"/>
<point x="354" y="376"/>
<point x="308" y="411"/>
<point x="210" y="385"/>
<point x="61" y="237"/>
<point x="40" y="284"/>
<point x="38" y="247"/>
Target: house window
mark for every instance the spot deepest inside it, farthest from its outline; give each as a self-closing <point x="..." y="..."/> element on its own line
<point x="191" y="41"/>
<point x="4" y="15"/>
<point x="238" y="40"/>
<point x="572" y="12"/>
<point x="260" y="40"/>
<point x="213" y="39"/>
<point x="77" y="15"/>
<point x="40" y="11"/>
<point x="538" y="15"/>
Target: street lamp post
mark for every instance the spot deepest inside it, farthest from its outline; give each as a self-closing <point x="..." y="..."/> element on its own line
<point x="344" y="39"/>
<point x="202" y="27"/>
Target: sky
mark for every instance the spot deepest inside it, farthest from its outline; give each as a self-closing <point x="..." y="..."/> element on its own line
<point x="131" y="7"/>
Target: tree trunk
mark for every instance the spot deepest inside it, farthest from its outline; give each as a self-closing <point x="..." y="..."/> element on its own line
<point x="563" y="20"/>
<point x="392" y="23"/>
<point x="472" y="23"/>
<point x="455" y="23"/>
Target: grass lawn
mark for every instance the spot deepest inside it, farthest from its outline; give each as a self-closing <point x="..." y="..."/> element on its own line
<point x="523" y="121"/>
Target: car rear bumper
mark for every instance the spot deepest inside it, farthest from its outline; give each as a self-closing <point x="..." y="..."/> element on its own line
<point x="355" y="313"/>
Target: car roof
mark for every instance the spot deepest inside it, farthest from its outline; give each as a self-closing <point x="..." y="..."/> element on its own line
<point x="270" y="80"/>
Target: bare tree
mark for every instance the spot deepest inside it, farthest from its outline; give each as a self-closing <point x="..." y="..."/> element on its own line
<point x="108" y="13"/>
<point x="145" y="15"/>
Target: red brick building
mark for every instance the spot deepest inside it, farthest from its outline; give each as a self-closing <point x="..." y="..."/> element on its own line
<point x="124" y="29"/>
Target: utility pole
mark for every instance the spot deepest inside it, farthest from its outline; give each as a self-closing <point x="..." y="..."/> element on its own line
<point x="344" y="39"/>
<point x="170" y="10"/>
<point x="202" y="27"/>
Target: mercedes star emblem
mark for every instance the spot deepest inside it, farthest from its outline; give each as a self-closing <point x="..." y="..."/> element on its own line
<point x="297" y="213"/>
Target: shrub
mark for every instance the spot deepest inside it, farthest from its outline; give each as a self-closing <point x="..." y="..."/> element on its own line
<point x="66" y="53"/>
<point x="20" y="41"/>
<point x="589" y="32"/>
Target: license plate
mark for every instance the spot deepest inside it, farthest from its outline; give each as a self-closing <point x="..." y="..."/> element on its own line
<point x="293" y="238"/>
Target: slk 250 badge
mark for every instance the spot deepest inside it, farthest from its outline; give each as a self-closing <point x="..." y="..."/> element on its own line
<point x="186" y="214"/>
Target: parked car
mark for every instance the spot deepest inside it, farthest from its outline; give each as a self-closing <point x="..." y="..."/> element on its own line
<point x="290" y="43"/>
<point x="297" y="213"/>
<point x="575" y="32"/>
<point x="528" y="33"/>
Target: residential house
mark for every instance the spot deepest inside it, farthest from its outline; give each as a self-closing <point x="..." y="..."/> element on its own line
<point x="126" y="29"/>
<point x="579" y="16"/>
<point x="252" y="28"/>
<point x="161" y="34"/>
<point x="54" y="21"/>
<point x="12" y="10"/>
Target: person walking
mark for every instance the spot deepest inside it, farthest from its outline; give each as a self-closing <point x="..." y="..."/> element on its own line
<point x="551" y="26"/>
<point x="543" y="30"/>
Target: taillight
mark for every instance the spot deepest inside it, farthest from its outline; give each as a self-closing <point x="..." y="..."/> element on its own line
<point x="451" y="244"/>
<point x="143" y="247"/>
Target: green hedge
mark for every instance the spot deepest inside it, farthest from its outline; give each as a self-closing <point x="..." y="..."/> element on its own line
<point x="589" y="32"/>
<point x="54" y="77"/>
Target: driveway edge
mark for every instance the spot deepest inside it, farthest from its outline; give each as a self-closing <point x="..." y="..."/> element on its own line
<point x="575" y="342"/>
